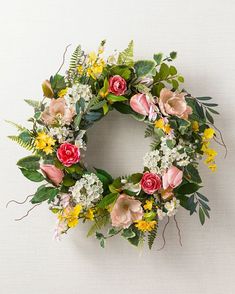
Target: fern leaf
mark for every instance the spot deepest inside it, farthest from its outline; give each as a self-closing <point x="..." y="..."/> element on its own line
<point x="151" y="237"/>
<point x="28" y="146"/>
<point x="99" y="223"/>
<point x="155" y="144"/>
<point x="17" y="126"/>
<point x="149" y="131"/>
<point x="75" y="58"/>
<point x="126" y="56"/>
<point x="33" y="103"/>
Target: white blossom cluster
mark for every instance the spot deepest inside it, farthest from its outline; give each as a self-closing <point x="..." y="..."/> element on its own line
<point x="78" y="91"/>
<point x="62" y="134"/>
<point x="171" y="207"/>
<point x="158" y="161"/>
<point x="87" y="190"/>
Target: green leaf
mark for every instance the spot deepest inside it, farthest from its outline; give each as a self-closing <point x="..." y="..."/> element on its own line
<point x="201" y="216"/>
<point x="212" y="110"/>
<point x="104" y="173"/>
<point x="32" y="175"/>
<point x="107" y="200"/>
<point x="175" y="84"/>
<point x="209" y="117"/>
<point x="114" y="98"/>
<point x="105" y="108"/>
<point x="187" y="188"/>
<point x="192" y="174"/>
<point x="151" y="237"/>
<point x="57" y="83"/>
<point x="181" y="79"/>
<point x="98" y="105"/>
<point x="99" y="223"/>
<point x="156" y="89"/>
<point x="144" y="67"/>
<point x="126" y="56"/>
<point x="128" y="233"/>
<point x="102" y="242"/>
<point x="172" y="70"/>
<point x="68" y="181"/>
<point x="210" y="104"/>
<point x="121" y="70"/>
<point x="135" y="240"/>
<point x="135" y="178"/>
<point x="158" y="58"/>
<point x="29" y="162"/>
<point x="77" y="120"/>
<point x="25" y="137"/>
<point x="123" y="108"/>
<point x="34" y="103"/>
<point x="93" y="116"/>
<point x="173" y="55"/>
<point x="164" y="71"/>
<point x="204" y="98"/>
<point x="44" y="193"/>
<point x="202" y="197"/>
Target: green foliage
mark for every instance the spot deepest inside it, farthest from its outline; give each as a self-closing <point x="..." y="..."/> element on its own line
<point x="68" y="181"/>
<point x="34" y="103"/>
<point x="75" y="59"/>
<point x="29" y="162"/>
<point x="149" y="131"/>
<point x="128" y="233"/>
<point x="187" y="188"/>
<point x="126" y="56"/>
<point x="57" y="83"/>
<point x="114" y="98"/>
<point x="17" y="126"/>
<point x="32" y="175"/>
<point x="100" y="221"/>
<point x="18" y="140"/>
<point x="192" y="174"/>
<point x="158" y="58"/>
<point x="105" y="178"/>
<point x="121" y="70"/>
<point x="44" y="193"/>
<point x="144" y="67"/>
<point x="151" y="237"/>
<point x="107" y="200"/>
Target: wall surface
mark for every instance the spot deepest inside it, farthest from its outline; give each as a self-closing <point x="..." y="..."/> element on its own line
<point x="33" y="37"/>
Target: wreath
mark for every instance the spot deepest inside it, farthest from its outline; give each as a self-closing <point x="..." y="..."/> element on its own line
<point x="180" y="125"/>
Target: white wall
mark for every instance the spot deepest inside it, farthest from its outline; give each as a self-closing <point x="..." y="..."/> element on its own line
<point x="33" y="37"/>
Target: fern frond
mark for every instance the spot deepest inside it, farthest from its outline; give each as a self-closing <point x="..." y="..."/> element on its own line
<point x="28" y="146"/>
<point x="127" y="55"/>
<point x="17" y="126"/>
<point x="99" y="224"/>
<point x="93" y="101"/>
<point x="149" y="131"/>
<point x="75" y="59"/>
<point x="33" y="103"/>
<point x="151" y="237"/>
<point x="155" y="144"/>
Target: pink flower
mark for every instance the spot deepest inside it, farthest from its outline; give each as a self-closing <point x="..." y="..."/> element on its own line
<point x="68" y="154"/>
<point x="143" y="104"/>
<point x="52" y="173"/>
<point x="172" y="178"/>
<point x="117" y="85"/>
<point x="58" y="110"/>
<point x="172" y="103"/>
<point x="126" y="210"/>
<point x="150" y="183"/>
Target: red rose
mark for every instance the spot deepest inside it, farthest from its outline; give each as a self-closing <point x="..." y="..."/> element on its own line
<point x="117" y="85"/>
<point x="150" y="183"/>
<point x="68" y="154"/>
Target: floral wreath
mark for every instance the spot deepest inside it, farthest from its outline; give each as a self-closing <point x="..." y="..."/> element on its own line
<point x="180" y="125"/>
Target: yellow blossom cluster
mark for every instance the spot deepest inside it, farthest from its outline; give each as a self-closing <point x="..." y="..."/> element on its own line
<point x="163" y="126"/>
<point x="96" y="65"/>
<point x="210" y="153"/>
<point x="90" y="214"/>
<point x="195" y="126"/>
<point x="44" y="142"/>
<point x="148" y="205"/>
<point x="63" y="92"/>
<point x="145" y="226"/>
<point x="70" y="215"/>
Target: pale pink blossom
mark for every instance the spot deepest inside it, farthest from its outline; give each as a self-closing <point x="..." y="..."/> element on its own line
<point x="54" y="174"/>
<point x="126" y="211"/>
<point x="143" y="104"/>
<point x="172" y="178"/>
<point x="172" y="103"/>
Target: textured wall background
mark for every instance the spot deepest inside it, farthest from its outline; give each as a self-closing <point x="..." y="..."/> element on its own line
<point x="33" y="37"/>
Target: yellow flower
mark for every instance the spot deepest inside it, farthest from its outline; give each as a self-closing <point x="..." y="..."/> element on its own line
<point x="205" y="146"/>
<point x="161" y="125"/>
<point x="63" y="92"/>
<point x="208" y="133"/>
<point x="80" y="69"/>
<point x="90" y="214"/>
<point x="71" y="215"/>
<point x="148" y="205"/>
<point x="101" y="50"/>
<point x="195" y="126"/>
<point x="145" y="226"/>
<point x="44" y="142"/>
<point x="210" y="152"/>
<point x="92" y="57"/>
<point x="213" y="167"/>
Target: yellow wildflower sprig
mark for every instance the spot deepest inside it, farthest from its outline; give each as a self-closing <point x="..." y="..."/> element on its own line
<point x="44" y="142"/>
<point x="160" y="124"/>
<point x="210" y="153"/>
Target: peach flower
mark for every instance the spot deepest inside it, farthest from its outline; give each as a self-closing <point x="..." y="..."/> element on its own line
<point x="58" y="109"/>
<point x="126" y="210"/>
<point x="52" y="173"/>
<point x="172" y="178"/>
<point x="144" y="105"/>
<point x="172" y="103"/>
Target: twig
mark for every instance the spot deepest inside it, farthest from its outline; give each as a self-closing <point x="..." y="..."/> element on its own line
<point x="18" y="219"/>
<point x="222" y="139"/>
<point x="17" y="202"/>
<point x="66" y="48"/>
<point x="163" y="234"/>
<point x="179" y="234"/>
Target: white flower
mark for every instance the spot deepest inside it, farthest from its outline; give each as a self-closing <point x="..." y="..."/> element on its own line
<point x="79" y="140"/>
<point x="160" y="214"/>
<point x="77" y="92"/>
<point x="172" y="206"/>
<point x="62" y="134"/>
<point x="87" y="190"/>
<point x="151" y="160"/>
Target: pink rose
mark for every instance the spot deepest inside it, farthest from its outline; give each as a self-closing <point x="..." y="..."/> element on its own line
<point x="117" y="85"/>
<point x="126" y="211"/>
<point x="150" y="183"/>
<point x="172" y="178"/>
<point x="52" y="173"/>
<point x="58" y="110"/>
<point x="172" y="103"/>
<point x="143" y="104"/>
<point x="68" y="154"/>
